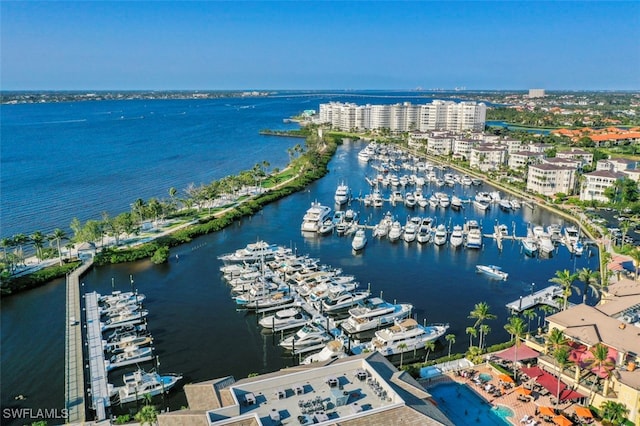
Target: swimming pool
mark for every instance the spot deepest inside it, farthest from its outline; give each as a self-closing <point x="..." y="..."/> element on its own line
<point x="464" y="407"/>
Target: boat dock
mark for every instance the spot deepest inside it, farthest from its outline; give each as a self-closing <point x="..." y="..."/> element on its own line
<point x="546" y="296"/>
<point x="97" y="366"/>
<point x="74" y="364"/>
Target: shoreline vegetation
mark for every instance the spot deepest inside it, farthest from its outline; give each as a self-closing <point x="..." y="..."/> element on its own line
<point x="209" y="208"/>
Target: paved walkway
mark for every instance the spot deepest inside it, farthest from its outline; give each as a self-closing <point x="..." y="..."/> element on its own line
<point x="74" y="364"/>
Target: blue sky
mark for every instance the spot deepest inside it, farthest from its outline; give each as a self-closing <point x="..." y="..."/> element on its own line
<point x="319" y="45"/>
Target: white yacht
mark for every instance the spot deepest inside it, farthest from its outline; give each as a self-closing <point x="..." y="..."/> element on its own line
<point x="130" y="355"/>
<point x="332" y="350"/>
<point x="119" y="298"/>
<point x="395" y="232"/>
<point x="409" y="200"/>
<point x="139" y="383"/>
<point x="443" y="200"/>
<point x="253" y="252"/>
<point x="375" y="313"/>
<point x="474" y="235"/>
<point x="440" y="236"/>
<point x="376" y="198"/>
<point x="344" y="300"/>
<point x="410" y="232"/>
<point x="492" y="271"/>
<point x="530" y="245"/>
<point x="382" y="229"/>
<point x="285" y="319"/>
<point x="405" y="336"/>
<point x="571" y="235"/>
<point x="456" y="202"/>
<point x="481" y="205"/>
<point x="457" y="236"/>
<point x="424" y="231"/>
<point x="359" y="240"/>
<point x="133" y="339"/>
<point x="311" y="335"/>
<point x="545" y="245"/>
<point x="126" y="318"/>
<point x="262" y="301"/>
<point x="314" y="217"/>
<point x="342" y="194"/>
<point x="327" y="227"/>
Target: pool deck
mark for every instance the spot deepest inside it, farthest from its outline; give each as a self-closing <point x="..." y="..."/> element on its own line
<point x="509" y="399"/>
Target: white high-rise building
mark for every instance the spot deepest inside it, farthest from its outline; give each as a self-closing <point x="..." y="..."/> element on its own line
<point x="404" y="117"/>
<point x="536" y="93"/>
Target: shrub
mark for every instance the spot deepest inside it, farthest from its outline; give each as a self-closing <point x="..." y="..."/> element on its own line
<point x="161" y="255"/>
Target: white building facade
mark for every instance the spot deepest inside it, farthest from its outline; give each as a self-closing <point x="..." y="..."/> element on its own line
<point x="551" y="179"/>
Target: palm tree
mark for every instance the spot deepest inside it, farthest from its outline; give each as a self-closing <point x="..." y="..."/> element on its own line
<point x="58" y="235"/>
<point x="591" y="280"/>
<point x="556" y="340"/>
<point x="138" y="208"/>
<point x="546" y="310"/>
<point x="565" y="280"/>
<point x="19" y="240"/>
<point x="429" y="346"/>
<point x="472" y="332"/>
<point x="481" y="313"/>
<point x="7" y="243"/>
<point x="402" y="347"/>
<point x="601" y="362"/>
<point x="635" y="255"/>
<point x="38" y="239"/>
<point x="515" y="327"/>
<point x="147" y="414"/>
<point x="529" y="314"/>
<point x="614" y="412"/>
<point x="561" y="358"/>
<point x="484" y="332"/>
<point x="451" y="338"/>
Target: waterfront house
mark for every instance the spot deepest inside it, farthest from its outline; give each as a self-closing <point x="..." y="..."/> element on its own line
<point x="615" y="164"/>
<point x="487" y="157"/>
<point x="584" y="157"/>
<point x="551" y="179"/>
<point x="521" y="159"/>
<point x="595" y="183"/>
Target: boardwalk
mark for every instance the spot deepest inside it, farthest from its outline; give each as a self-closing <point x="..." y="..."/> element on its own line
<point x="545" y="296"/>
<point x="74" y="365"/>
<point x="97" y="369"/>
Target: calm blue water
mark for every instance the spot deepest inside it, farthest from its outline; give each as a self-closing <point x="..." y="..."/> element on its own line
<point x="464" y="407"/>
<point x="196" y="327"/>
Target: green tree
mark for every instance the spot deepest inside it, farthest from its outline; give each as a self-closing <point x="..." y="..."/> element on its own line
<point x="481" y="313"/>
<point x="57" y="236"/>
<point x="601" y="363"/>
<point x="635" y="255"/>
<point x="565" y="280"/>
<point x="451" y="339"/>
<point x="38" y="239"/>
<point x="529" y="314"/>
<point x="591" y="280"/>
<point x="614" y="412"/>
<point x="555" y="340"/>
<point x="515" y="327"/>
<point x="147" y="415"/>
<point x="19" y="240"/>
<point x="429" y="346"/>
<point x="402" y="347"/>
<point x="7" y="243"/>
<point x="472" y="332"/>
<point x="484" y="332"/>
<point x="561" y="359"/>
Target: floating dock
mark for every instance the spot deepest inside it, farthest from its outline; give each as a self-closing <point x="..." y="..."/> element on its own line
<point x="97" y="366"/>
<point x="546" y="296"/>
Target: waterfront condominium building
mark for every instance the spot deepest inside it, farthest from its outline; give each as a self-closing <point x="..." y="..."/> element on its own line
<point x="487" y="157"/>
<point x="595" y="183"/>
<point x="405" y="117"/>
<point x="551" y="179"/>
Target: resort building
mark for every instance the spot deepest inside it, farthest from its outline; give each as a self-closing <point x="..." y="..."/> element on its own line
<point x="615" y="323"/>
<point x="595" y="183"/>
<point x="512" y="145"/>
<point x="440" y="143"/>
<point x="562" y="162"/>
<point x="539" y="147"/>
<point x="584" y="157"/>
<point x="487" y="157"/>
<point x="462" y="147"/>
<point x="360" y="390"/>
<point x="536" y="93"/>
<point x="521" y="159"/>
<point x="404" y="117"/>
<point x="551" y="179"/>
<point x="615" y="165"/>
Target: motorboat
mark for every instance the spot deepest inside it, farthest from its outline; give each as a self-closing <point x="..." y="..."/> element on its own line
<point x="311" y="335"/>
<point x="123" y="342"/>
<point x="502" y="231"/>
<point x="382" y="229"/>
<point x="410" y="200"/>
<point x="474" y="235"/>
<point x="269" y="300"/>
<point x="130" y="355"/>
<point x="327" y="227"/>
<point x="120" y="298"/>
<point x="545" y="245"/>
<point x="344" y="300"/>
<point x="466" y="180"/>
<point x="424" y="234"/>
<point x="456" y="239"/>
<point x="505" y="205"/>
<point x="492" y="271"/>
<point x="126" y="318"/>
<point x="530" y="245"/>
<point x="375" y="313"/>
<point x="571" y="236"/>
<point x="139" y="384"/>
<point x="342" y="194"/>
<point x="376" y="198"/>
<point x="578" y="248"/>
<point x="443" y="200"/>
<point x="410" y="232"/>
<point x="476" y="181"/>
<point x="359" y="240"/>
<point x="456" y="202"/>
<point x="314" y="217"/>
<point x="440" y="236"/>
<point x="253" y="252"/>
<point x="332" y="350"/>
<point x="285" y="319"/>
<point x="483" y="197"/>
<point x="433" y="201"/>
<point x="481" y="205"/>
<point x="405" y="336"/>
<point x="395" y="232"/>
<point x="515" y="204"/>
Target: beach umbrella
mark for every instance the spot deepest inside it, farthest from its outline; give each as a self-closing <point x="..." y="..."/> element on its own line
<point x="505" y="378"/>
<point x="523" y="391"/>
<point x="562" y="421"/>
<point x="583" y="412"/>
<point x="547" y="411"/>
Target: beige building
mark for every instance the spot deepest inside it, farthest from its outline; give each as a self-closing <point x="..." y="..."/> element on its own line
<point x="440" y="143"/>
<point x="614" y="165"/>
<point x="584" y="157"/>
<point x="551" y="179"/>
<point x="595" y="183"/>
<point x="487" y="157"/>
<point x="355" y="391"/>
<point x="520" y="159"/>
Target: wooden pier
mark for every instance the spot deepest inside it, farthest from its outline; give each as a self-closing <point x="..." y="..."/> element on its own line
<point x="546" y="296"/>
<point x="74" y="364"/>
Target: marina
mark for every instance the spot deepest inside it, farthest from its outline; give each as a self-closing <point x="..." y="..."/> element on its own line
<point x="182" y="295"/>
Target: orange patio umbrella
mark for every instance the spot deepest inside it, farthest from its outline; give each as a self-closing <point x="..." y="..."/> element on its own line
<point x="523" y="391"/>
<point x="562" y="421"/>
<point x="505" y="378"/>
<point x="583" y="412"/>
<point x="547" y="411"/>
